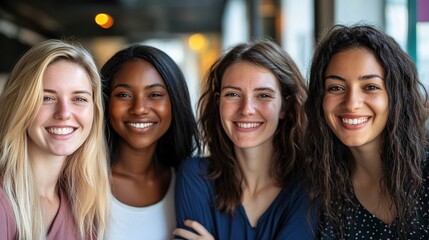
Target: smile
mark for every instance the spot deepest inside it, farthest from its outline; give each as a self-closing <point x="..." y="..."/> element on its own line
<point x="60" y="131"/>
<point x="354" y="121"/>
<point x="248" y="125"/>
<point x="140" y="125"/>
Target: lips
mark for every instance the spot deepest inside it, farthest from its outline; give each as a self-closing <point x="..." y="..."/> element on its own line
<point x="248" y="125"/>
<point x="141" y="125"/>
<point x="60" y="130"/>
<point x="355" y="121"/>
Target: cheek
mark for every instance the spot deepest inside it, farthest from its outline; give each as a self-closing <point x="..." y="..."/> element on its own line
<point x="87" y="115"/>
<point x="328" y="105"/>
<point x="163" y="110"/>
<point x="381" y="107"/>
<point x="116" y="111"/>
<point x="226" y="110"/>
<point x="272" y="109"/>
<point x="381" y="103"/>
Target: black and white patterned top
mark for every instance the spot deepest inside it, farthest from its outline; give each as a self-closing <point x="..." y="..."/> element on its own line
<point x="361" y="224"/>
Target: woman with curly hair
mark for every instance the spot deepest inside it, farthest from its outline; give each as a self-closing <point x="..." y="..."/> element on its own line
<point x="366" y="138"/>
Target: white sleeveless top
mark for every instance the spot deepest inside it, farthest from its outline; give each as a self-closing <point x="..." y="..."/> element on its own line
<point x="154" y="222"/>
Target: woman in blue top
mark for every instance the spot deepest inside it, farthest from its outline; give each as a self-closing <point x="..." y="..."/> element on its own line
<point x="367" y="137"/>
<point x="252" y="122"/>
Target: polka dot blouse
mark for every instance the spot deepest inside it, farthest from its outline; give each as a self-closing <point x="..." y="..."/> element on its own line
<point x="361" y="224"/>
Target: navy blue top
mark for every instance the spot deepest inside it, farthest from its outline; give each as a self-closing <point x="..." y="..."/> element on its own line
<point x="286" y="218"/>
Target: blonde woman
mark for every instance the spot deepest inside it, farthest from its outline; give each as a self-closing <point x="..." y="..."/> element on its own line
<point x="53" y="168"/>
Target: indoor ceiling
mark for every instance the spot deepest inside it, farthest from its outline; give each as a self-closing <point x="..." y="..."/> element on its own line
<point x="132" y="18"/>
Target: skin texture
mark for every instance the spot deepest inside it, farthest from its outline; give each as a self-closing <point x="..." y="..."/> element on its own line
<point x="250" y="108"/>
<point x="140" y="113"/>
<point x="60" y="127"/>
<point x="356" y="100"/>
<point x="65" y="117"/>
<point x="356" y="109"/>
<point x="250" y="105"/>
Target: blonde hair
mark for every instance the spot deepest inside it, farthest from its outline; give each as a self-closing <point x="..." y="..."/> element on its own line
<point x="84" y="177"/>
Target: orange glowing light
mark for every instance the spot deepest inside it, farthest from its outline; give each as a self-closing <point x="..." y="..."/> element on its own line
<point x="104" y="20"/>
<point x="197" y="42"/>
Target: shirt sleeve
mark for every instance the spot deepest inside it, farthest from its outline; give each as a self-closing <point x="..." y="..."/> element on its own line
<point x="3" y="221"/>
<point x="193" y="196"/>
<point x="301" y="221"/>
<point x="8" y="230"/>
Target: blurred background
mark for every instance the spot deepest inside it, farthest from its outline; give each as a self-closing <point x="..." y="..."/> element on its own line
<point x="195" y="32"/>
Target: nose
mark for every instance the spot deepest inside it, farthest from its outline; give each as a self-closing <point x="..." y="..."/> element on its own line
<point x="139" y="106"/>
<point x="354" y="100"/>
<point x="247" y="106"/>
<point x="63" y="110"/>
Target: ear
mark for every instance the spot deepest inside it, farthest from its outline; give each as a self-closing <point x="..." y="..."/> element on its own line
<point x="285" y="107"/>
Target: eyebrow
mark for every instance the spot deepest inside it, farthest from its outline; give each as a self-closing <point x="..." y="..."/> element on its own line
<point x="364" y="77"/>
<point x="126" y="85"/>
<point x="256" y="89"/>
<point x="74" y="92"/>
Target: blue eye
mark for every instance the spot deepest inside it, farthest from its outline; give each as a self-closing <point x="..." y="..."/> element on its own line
<point x="47" y="98"/>
<point x="81" y="99"/>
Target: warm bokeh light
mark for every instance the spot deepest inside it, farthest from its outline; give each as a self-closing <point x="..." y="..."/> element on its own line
<point x="104" y="20"/>
<point x="197" y="42"/>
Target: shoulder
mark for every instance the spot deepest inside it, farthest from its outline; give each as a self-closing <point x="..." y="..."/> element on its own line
<point x="295" y="189"/>
<point x="8" y="228"/>
<point x="193" y="175"/>
<point x="194" y="165"/>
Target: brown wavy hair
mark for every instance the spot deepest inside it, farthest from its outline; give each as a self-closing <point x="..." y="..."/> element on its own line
<point x="223" y="166"/>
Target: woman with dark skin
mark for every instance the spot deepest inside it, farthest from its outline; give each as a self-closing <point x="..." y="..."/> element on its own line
<point x="366" y="139"/>
<point x="150" y="128"/>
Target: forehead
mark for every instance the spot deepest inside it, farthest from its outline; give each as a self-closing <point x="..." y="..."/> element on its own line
<point x="352" y="64"/>
<point x="137" y="71"/>
<point x="248" y="74"/>
<point x="66" y="75"/>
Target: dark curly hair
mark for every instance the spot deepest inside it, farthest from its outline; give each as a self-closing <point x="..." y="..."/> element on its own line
<point x="403" y="141"/>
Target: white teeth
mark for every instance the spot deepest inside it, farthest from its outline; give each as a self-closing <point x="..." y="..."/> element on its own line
<point x="140" y="125"/>
<point x="60" y="131"/>
<point x="248" y="125"/>
<point x="355" y="121"/>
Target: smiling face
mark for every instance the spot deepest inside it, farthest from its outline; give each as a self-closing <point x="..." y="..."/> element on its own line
<point x="139" y="106"/>
<point x="250" y="105"/>
<point x="356" y="101"/>
<point x="65" y="117"/>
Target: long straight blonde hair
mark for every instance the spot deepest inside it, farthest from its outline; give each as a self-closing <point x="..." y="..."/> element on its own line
<point x="84" y="177"/>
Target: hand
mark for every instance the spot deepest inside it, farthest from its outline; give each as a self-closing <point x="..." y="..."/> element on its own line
<point x="202" y="233"/>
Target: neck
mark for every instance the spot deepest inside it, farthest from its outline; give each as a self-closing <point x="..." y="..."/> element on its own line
<point x="255" y="166"/>
<point x="367" y="164"/>
<point x="135" y="161"/>
<point x="47" y="172"/>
